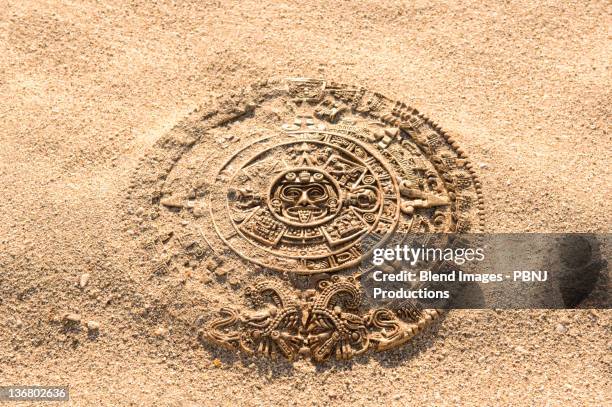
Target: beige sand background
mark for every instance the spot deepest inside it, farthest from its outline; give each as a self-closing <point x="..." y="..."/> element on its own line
<point x="87" y="86"/>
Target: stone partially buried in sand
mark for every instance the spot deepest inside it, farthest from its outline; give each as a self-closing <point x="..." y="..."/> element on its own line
<point x="315" y="175"/>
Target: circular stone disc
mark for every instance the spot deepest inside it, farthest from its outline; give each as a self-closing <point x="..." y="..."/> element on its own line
<point x="299" y="177"/>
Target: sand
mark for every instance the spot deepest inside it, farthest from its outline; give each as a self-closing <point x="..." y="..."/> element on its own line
<point x="88" y="88"/>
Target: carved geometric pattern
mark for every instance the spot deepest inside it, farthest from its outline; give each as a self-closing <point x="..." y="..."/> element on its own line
<point x="292" y="184"/>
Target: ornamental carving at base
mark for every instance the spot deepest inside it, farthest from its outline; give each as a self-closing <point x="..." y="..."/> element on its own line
<point x="316" y="324"/>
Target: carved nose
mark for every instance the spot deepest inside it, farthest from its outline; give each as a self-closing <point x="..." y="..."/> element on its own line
<point x="303" y="201"/>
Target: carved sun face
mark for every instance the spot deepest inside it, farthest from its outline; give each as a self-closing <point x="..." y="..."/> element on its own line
<point x="304" y="197"/>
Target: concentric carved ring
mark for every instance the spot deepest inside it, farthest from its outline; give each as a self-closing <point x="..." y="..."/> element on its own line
<point x="305" y="202"/>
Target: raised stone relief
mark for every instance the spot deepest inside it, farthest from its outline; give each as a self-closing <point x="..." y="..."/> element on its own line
<point x="295" y="179"/>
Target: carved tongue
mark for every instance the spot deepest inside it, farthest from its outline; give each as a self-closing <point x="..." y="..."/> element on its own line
<point x="304" y="215"/>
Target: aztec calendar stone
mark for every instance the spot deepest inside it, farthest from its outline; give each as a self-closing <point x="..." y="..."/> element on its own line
<point x="275" y="196"/>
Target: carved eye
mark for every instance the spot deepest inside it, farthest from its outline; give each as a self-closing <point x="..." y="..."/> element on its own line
<point x="316" y="192"/>
<point x="291" y="193"/>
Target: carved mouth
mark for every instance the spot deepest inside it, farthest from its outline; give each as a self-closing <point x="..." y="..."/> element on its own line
<point x="305" y="213"/>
